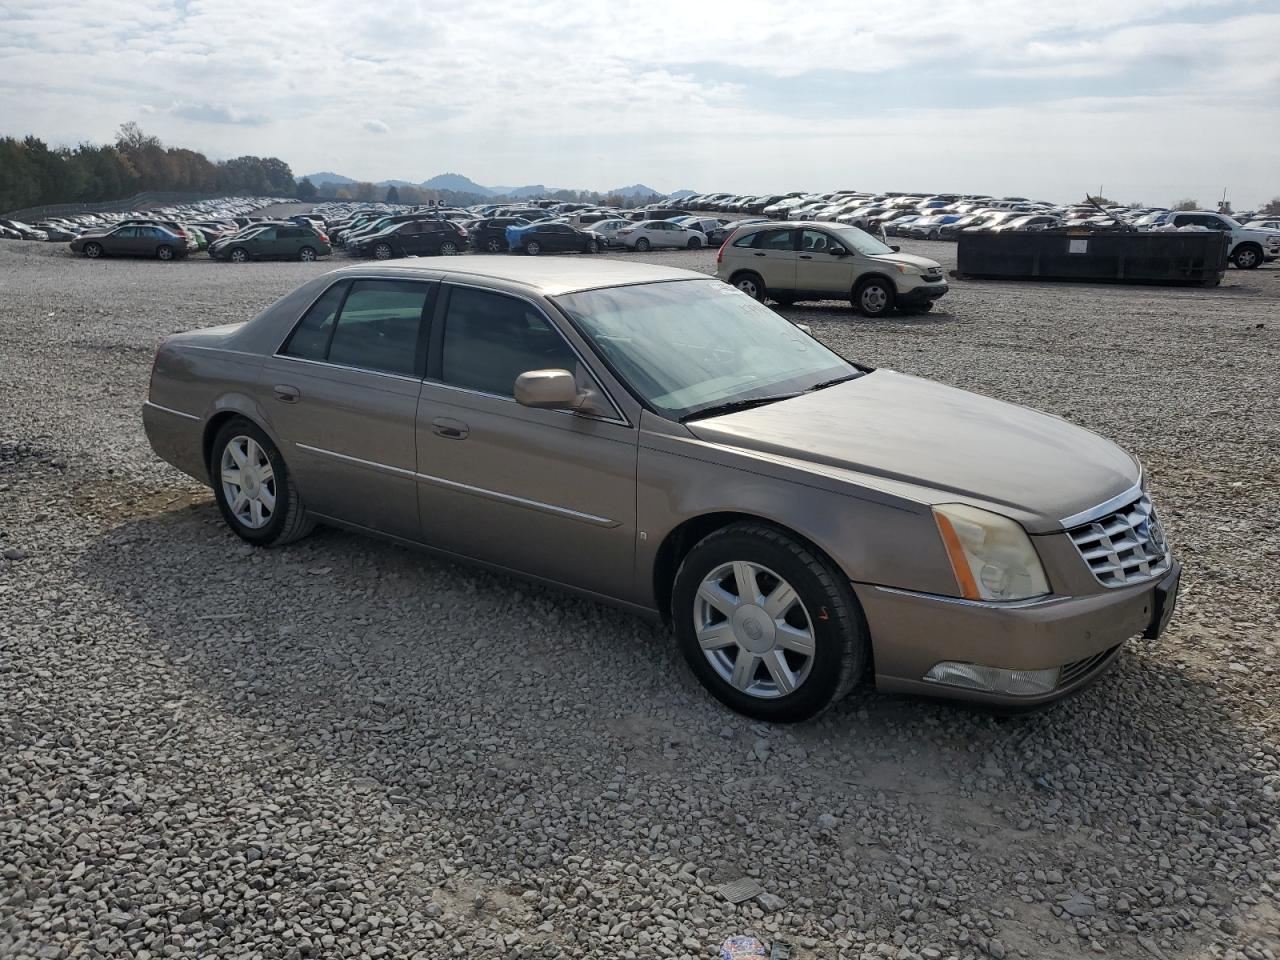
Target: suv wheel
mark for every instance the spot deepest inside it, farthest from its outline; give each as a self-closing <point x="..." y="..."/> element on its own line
<point x="1247" y="256"/>
<point x="239" y="255"/>
<point x="493" y="245"/>
<point x="768" y="625"/>
<point x="448" y="249"/>
<point x="750" y="284"/>
<point x="874" y="297"/>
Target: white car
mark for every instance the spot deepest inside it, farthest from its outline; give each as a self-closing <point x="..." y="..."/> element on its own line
<point x="607" y="230"/>
<point x="650" y="234"/>
<point x="1249" y="246"/>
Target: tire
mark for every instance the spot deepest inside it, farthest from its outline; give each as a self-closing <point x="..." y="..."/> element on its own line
<point x="934" y="235"/>
<point x="164" y="252"/>
<point x="642" y="245"/>
<point x="494" y="245"/>
<point x="532" y="247"/>
<point x="874" y="297"/>
<point x="238" y="255"/>
<point x="383" y="251"/>
<point x="288" y="520"/>
<point x="1247" y="256"/>
<point x="307" y="254"/>
<point x="448" y="249"/>
<point x="93" y="250"/>
<point x="811" y="648"/>
<point x="750" y="284"/>
<point x="693" y="244"/>
<point x="593" y="246"/>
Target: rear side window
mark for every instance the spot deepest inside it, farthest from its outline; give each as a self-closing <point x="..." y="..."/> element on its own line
<point x="379" y="326"/>
<point x="310" y="338"/>
<point x="774" y="240"/>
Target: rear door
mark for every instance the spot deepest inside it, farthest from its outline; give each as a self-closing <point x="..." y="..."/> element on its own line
<point x="772" y="254"/>
<point x="264" y="246"/>
<point x="342" y="396"/>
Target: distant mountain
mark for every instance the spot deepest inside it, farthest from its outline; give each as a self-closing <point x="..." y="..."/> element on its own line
<point x="458" y="184"/>
<point x="395" y="183"/>
<point x="328" y="177"/>
<point x="635" y="190"/>
<point x="677" y="194"/>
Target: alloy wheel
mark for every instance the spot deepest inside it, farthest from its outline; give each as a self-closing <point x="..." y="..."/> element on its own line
<point x="248" y="482"/>
<point x="754" y="630"/>
<point x="306" y="254"/>
<point x="448" y="248"/>
<point x="382" y="251"/>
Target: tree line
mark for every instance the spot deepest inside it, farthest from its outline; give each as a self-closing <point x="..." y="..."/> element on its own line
<point x="413" y="195"/>
<point x="34" y="174"/>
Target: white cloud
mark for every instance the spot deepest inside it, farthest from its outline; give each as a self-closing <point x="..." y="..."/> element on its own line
<point x="731" y="94"/>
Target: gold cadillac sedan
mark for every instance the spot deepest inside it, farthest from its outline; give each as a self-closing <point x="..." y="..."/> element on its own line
<point x="659" y="440"/>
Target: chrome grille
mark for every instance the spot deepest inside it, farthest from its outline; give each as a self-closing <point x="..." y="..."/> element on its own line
<point x="1124" y="547"/>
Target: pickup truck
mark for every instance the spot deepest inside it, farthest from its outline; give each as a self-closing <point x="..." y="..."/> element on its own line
<point x="1249" y="246"/>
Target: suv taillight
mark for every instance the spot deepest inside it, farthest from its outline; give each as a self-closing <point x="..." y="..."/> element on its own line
<point x="720" y="252"/>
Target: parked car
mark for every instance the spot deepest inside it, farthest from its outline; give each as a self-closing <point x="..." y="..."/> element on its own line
<point x="547" y="237"/>
<point x="828" y="261"/>
<point x="607" y="231"/>
<point x="714" y="230"/>
<point x="24" y="230"/>
<point x="271" y="242"/>
<point x="490" y="234"/>
<point x="689" y="454"/>
<point x="1248" y="247"/>
<point x="416" y="238"/>
<point x="152" y="241"/>
<point x="660" y="233"/>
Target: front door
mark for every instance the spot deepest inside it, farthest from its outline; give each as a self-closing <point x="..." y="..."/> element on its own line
<point x="546" y="492"/>
<point x="265" y="245"/>
<point x="342" y="398"/>
<point x="817" y="271"/>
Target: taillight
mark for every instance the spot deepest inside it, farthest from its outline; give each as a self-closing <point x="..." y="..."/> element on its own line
<point x="324" y="237"/>
<point x="151" y="379"/>
<point x="720" y="252"/>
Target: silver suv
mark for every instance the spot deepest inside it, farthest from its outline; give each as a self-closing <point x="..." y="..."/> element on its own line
<point x="787" y="262"/>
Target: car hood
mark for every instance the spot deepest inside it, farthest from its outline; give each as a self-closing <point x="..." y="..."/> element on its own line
<point x="948" y="444"/>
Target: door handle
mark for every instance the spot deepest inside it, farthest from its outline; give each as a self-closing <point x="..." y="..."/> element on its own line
<point x="449" y="428"/>
<point x="285" y="393"/>
<point x="760" y="254"/>
<point x="805" y="256"/>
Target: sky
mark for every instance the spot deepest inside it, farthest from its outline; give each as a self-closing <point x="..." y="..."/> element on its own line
<point x="1150" y="100"/>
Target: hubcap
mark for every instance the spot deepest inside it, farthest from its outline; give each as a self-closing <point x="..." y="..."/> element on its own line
<point x="874" y="298"/>
<point x="248" y="482"/>
<point x="1246" y="258"/>
<point x="239" y="256"/>
<point x="308" y="255"/>
<point x="748" y="287"/>
<point x="753" y="630"/>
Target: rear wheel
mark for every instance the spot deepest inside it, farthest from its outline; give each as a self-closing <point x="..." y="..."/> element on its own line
<point x="643" y="245"/>
<point x="750" y="284"/>
<point x="253" y="488"/>
<point x="874" y="297"/>
<point x="307" y="254"/>
<point x="493" y="245"/>
<point x="593" y="246"/>
<point x="767" y="624"/>
<point x="164" y="252"/>
<point x="239" y="255"/>
<point x="694" y="243"/>
<point x="448" y="249"/>
<point x="93" y="250"/>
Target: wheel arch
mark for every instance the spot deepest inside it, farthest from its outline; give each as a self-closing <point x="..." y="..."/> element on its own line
<point x="873" y="275"/>
<point x="228" y="408"/>
<point x="686" y="535"/>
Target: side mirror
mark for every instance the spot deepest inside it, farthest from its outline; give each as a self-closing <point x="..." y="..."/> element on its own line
<point x="837" y="251"/>
<point x="895" y="248"/>
<point x="547" y="390"/>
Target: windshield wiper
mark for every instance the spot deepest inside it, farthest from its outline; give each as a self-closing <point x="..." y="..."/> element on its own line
<point x="831" y="383"/>
<point x="733" y="405"/>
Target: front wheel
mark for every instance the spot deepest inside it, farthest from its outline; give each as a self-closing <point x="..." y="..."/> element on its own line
<point x="642" y="245"/>
<point x="533" y="248"/>
<point x="239" y="255"/>
<point x="93" y="250"/>
<point x="693" y="244"/>
<point x="874" y="297"/>
<point x="1247" y="257"/>
<point x="593" y="246"/>
<point x="769" y="626"/>
<point x="383" y="251"/>
<point x="253" y="488"/>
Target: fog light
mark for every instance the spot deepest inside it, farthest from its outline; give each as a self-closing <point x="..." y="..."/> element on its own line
<point x="973" y="676"/>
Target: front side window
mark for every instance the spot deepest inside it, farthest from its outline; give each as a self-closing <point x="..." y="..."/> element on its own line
<point x="490" y="339"/>
<point x="862" y="242"/>
<point x="689" y="345"/>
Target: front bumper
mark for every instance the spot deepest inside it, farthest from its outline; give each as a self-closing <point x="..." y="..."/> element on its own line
<point x="923" y="293"/>
<point x="913" y="632"/>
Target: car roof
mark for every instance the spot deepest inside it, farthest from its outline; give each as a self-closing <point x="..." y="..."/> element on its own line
<point x="548" y="276"/>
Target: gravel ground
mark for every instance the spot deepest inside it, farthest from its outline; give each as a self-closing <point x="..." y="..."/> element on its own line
<point x="348" y="749"/>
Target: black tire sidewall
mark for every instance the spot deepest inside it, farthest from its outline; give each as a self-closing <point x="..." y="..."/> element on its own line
<point x="645" y="247"/>
<point x="239" y="427"/>
<point x="755" y="278"/>
<point x="93" y="246"/>
<point x="874" y="281"/>
<point x="824" y="682"/>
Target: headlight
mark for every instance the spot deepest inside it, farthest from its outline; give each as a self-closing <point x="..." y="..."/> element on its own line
<point x="992" y="556"/>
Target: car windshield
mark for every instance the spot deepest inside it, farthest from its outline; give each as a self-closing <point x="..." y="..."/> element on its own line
<point x="862" y="242"/>
<point x="688" y="345"/>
